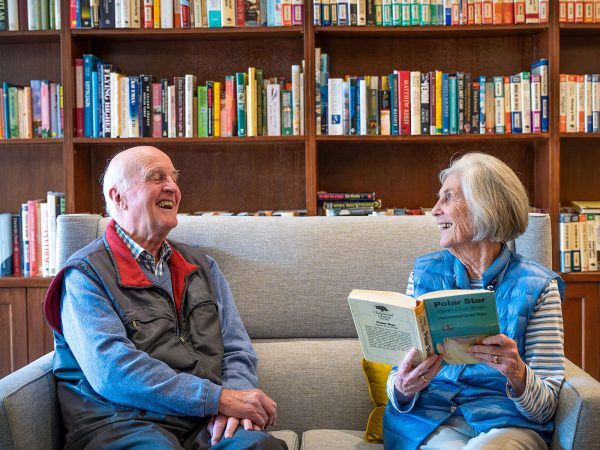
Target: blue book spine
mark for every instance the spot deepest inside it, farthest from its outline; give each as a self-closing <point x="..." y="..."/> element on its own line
<point x="575" y="244"/>
<point x="565" y="250"/>
<point x="90" y="63"/>
<point x="6" y="244"/>
<point x="445" y="104"/>
<point x="324" y="103"/>
<point x="94" y="105"/>
<point x="448" y="14"/>
<point x="134" y="97"/>
<point x="325" y="14"/>
<point x="453" y="103"/>
<point x="482" y="105"/>
<point x="5" y="87"/>
<point x="395" y="126"/>
<point x="540" y="67"/>
<point x="516" y="123"/>
<point x="354" y="120"/>
<point x="595" y="112"/>
<point x="588" y="89"/>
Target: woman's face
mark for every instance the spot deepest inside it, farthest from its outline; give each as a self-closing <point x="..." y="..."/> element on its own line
<point x="452" y="214"/>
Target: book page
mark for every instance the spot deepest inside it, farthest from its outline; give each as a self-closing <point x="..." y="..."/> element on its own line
<point x="386" y="332"/>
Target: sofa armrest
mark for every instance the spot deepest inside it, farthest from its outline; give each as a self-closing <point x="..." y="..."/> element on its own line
<point x="29" y="412"/>
<point x="577" y="417"/>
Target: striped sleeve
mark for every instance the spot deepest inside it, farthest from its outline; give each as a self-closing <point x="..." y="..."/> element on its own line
<point x="544" y="357"/>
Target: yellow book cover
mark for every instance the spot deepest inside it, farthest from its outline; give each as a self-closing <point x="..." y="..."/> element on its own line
<point x="251" y="102"/>
<point x="438" y="102"/>
<point x="217" y="108"/>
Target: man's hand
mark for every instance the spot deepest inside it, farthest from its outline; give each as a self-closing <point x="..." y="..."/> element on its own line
<point x="251" y="404"/>
<point x="228" y="425"/>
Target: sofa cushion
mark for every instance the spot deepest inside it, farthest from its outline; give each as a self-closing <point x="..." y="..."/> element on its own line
<point x="290" y="438"/>
<point x="336" y="440"/>
<point x="376" y="375"/>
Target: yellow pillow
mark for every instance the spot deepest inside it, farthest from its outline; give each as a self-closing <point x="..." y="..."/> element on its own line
<point x="377" y="375"/>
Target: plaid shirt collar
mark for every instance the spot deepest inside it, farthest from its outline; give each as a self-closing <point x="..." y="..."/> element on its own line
<point x="144" y="257"/>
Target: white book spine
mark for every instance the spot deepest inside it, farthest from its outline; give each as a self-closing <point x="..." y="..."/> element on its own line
<point x="536" y="105"/>
<point x="273" y="109"/>
<point x="166" y="14"/>
<point x="171" y="112"/>
<point x="126" y="13"/>
<point x="135" y="14"/>
<point x="190" y="87"/>
<point x="52" y="200"/>
<point x="118" y="14"/>
<point x="596" y="103"/>
<point x="57" y="16"/>
<point x="13" y="15"/>
<point x="115" y="105"/>
<point x="571" y="104"/>
<point x="499" y="119"/>
<point x="45" y="262"/>
<point x="198" y="13"/>
<point x="32" y="18"/>
<point x="124" y="106"/>
<point x="302" y="104"/>
<point x="579" y="105"/>
<point x="591" y="243"/>
<point x="335" y="106"/>
<point x="227" y="13"/>
<point x="362" y="13"/>
<point x="415" y="103"/>
<point x="296" y="100"/>
<point x="587" y="103"/>
<point x="364" y="114"/>
<point x="526" y="102"/>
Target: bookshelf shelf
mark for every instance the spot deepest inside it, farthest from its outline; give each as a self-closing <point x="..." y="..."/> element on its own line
<point x="457" y="138"/>
<point x="21" y="282"/>
<point x="579" y="135"/>
<point x="417" y="32"/>
<point x="579" y="29"/>
<point x="29" y="36"/>
<point x="28" y="142"/>
<point x="581" y="277"/>
<point x="295" y="32"/>
<point x="188" y="141"/>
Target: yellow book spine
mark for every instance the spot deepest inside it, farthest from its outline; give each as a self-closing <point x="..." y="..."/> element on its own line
<point x="251" y="106"/>
<point x="156" y="13"/>
<point x="438" y="102"/>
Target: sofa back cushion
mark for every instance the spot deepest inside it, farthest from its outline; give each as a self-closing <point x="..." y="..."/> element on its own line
<point x="291" y="276"/>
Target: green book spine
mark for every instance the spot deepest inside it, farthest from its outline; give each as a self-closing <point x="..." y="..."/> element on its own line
<point x="415" y="12"/>
<point x="240" y="88"/>
<point x="453" y="104"/>
<point x="202" y="112"/>
<point x="286" y="113"/>
<point x="259" y="103"/>
<point x="13" y="113"/>
<point x="45" y="19"/>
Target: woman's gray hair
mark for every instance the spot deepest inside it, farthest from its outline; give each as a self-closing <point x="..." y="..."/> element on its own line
<point x="494" y="194"/>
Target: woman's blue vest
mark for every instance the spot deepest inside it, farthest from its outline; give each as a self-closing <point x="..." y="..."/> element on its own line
<point x="476" y="391"/>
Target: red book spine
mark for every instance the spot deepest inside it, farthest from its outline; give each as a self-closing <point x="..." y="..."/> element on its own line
<point x="148" y="12"/>
<point x="230" y="106"/>
<point x="184" y="7"/>
<point x="16" y="241"/>
<point x="240" y="19"/>
<point x="78" y="64"/>
<point x="404" y="105"/>
<point x="32" y="226"/>
<point x="73" y="13"/>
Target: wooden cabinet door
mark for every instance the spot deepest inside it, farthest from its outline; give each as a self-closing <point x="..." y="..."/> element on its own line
<point x="39" y="334"/>
<point x="13" y="329"/>
<point x="581" y="315"/>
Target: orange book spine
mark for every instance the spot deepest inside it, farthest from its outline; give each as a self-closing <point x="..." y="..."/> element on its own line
<point x="497" y="13"/>
<point x="562" y="123"/>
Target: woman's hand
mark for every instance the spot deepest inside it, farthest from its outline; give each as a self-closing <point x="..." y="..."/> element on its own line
<point x="412" y="378"/>
<point x="501" y="353"/>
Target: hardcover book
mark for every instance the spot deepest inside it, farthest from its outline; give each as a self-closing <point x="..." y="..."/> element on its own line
<point x="446" y="323"/>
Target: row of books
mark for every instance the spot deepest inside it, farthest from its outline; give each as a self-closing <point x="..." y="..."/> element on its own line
<point x="395" y="13"/>
<point x="34" y="111"/>
<point x="432" y="103"/>
<point x="185" y="13"/>
<point x="28" y="239"/>
<point x="579" y="242"/>
<point x="112" y="104"/>
<point x="579" y="11"/>
<point x="579" y="108"/>
<point x="32" y="15"/>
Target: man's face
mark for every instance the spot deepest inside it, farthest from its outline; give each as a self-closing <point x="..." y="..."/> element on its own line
<point x="452" y="214"/>
<point x="152" y="199"/>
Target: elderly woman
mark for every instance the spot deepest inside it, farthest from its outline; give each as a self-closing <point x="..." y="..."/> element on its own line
<point x="507" y="401"/>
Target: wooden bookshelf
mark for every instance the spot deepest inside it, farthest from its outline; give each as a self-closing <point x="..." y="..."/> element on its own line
<point x="245" y="174"/>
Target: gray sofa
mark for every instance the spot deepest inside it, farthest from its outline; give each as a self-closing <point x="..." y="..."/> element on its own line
<point x="291" y="277"/>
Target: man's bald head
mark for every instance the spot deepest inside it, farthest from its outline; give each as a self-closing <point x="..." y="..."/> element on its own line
<point x="123" y="168"/>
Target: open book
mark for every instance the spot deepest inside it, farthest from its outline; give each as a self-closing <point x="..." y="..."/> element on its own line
<point x="447" y="323"/>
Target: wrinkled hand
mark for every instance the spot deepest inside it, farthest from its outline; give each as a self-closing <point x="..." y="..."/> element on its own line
<point x="412" y="377"/>
<point x="228" y="425"/>
<point x="501" y="353"/>
<point x="251" y="404"/>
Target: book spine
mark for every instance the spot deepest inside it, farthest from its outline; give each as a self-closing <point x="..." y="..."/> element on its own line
<point x="25" y="240"/>
<point x="190" y="88"/>
<point x="6" y="245"/>
<point x="591" y="242"/>
<point x="273" y="109"/>
<point x="241" y="103"/>
<point x="134" y="106"/>
<point x="536" y="113"/>
<point x="335" y="106"/>
<point x="202" y="111"/>
<point x="230" y="106"/>
<point x="124" y="106"/>
<point x="164" y="106"/>
<point x="575" y="243"/>
<point x="210" y="105"/>
<point x="216" y="108"/>
<point x="424" y="121"/>
<point x="156" y="110"/>
<point x="179" y="83"/>
<point x="499" y="120"/>
<point x="16" y="245"/>
<point x="404" y="102"/>
<point x="453" y="104"/>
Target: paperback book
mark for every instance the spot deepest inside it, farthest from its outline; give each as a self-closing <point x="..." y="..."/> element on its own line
<point x="446" y="323"/>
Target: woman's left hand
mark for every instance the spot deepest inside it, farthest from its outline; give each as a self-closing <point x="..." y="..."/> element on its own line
<point x="501" y="353"/>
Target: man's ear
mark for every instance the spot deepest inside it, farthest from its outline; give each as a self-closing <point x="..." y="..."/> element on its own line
<point x="117" y="198"/>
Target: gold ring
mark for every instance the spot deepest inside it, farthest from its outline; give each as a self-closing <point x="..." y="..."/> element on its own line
<point x="425" y="379"/>
<point x="495" y="359"/>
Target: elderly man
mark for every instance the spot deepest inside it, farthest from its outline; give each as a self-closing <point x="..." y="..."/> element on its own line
<point x="150" y="349"/>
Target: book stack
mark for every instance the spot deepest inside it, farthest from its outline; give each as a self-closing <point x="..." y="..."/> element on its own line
<point x="28" y="239"/>
<point x="34" y="111"/>
<point x="112" y="104"/>
<point x="32" y="15"/>
<point x="579" y="11"/>
<point x="579" y="231"/>
<point x="579" y="107"/>
<point x="432" y="103"/>
<point x="185" y="13"/>
<point x="347" y="203"/>
<point x="396" y="13"/>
